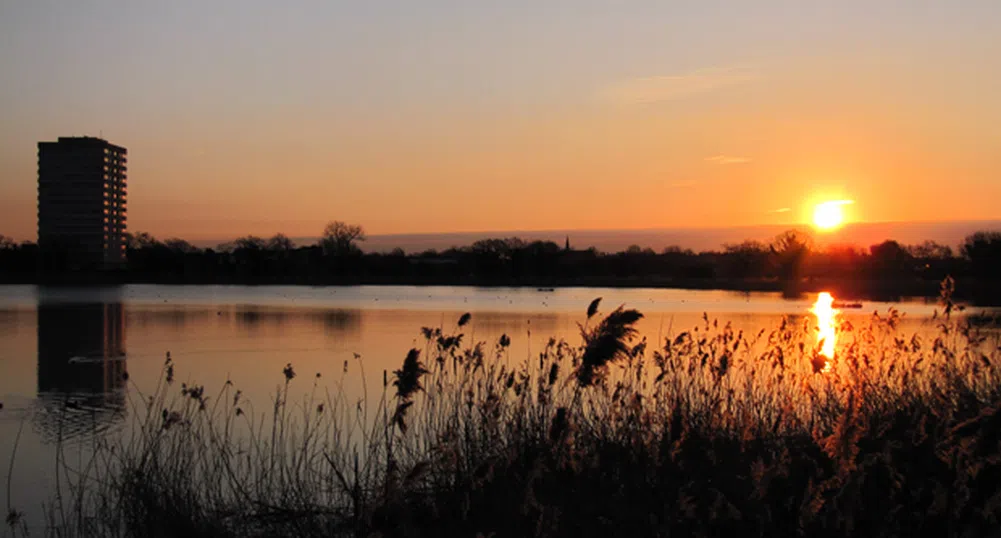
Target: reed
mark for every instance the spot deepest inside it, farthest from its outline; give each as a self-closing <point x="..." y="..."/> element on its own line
<point x="713" y="432"/>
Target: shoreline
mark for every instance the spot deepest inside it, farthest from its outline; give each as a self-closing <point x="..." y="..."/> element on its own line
<point x="976" y="292"/>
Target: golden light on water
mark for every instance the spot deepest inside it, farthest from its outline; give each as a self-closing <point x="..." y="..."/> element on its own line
<point x="827" y="319"/>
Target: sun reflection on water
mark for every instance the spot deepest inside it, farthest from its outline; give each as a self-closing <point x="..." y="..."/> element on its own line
<point x="827" y="319"/>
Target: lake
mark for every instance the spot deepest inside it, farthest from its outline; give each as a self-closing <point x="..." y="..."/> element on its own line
<point x="64" y="351"/>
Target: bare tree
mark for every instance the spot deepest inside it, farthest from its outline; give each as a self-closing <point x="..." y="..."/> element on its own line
<point x="138" y="240"/>
<point x="250" y="242"/>
<point x="6" y="242"/>
<point x="280" y="243"/>
<point x="931" y="250"/>
<point x="339" y="238"/>
<point x="180" y="245"/>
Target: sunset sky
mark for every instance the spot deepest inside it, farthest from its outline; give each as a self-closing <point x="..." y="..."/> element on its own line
<point x="258" y="116"/>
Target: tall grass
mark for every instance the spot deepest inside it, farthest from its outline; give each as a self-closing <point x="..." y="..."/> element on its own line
<point x="713" y="432"/>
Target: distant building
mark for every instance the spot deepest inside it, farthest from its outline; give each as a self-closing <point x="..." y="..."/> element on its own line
<point x="82" y="209"/>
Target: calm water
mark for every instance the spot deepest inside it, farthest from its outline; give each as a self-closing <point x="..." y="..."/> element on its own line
<point x="68" y="345"/>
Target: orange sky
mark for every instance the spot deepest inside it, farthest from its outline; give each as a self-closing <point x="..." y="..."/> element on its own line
<point x="259" y="125"/>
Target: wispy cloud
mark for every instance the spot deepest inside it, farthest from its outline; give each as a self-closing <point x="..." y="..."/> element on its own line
<point x="671" y="87"/>
<point x="781" y="210"/>
<point x="727" y="159"/>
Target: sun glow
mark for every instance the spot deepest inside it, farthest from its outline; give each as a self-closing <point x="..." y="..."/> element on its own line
<point x="827" y="320"/>
<point x="829" y="215"/>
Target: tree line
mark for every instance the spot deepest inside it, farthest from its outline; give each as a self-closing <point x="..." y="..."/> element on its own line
<point x="790" y="261"/>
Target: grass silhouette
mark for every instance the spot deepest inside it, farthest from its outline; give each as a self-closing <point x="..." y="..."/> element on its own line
<point x="713" y="432"/>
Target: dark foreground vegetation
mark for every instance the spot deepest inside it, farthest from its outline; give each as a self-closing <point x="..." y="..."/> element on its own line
<point x="711" y="432"/>
<point x="790" y="263"/>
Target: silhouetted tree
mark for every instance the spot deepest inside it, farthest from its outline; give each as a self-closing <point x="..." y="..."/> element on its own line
<point x="838" y="262"/>
<point x="490" y="256"/>
<point x="535" y="259"/>
<point x="746" y="260"/>
<point x="250" y="242"/>
<point x="250" y="256"/>
<point x="933" y="261"/>
<point x="340" y="238"/>
<point x="497" y="248"/>
<point x="514" y="261"/>
<point x="139" y="240"/>
<point x="280" y="243"/>
<point x="983" y="249"/>
<point x="890" y="259"/>
<point x="17" y="259"/>
<point x="930" y="250"/>
<point x="180" y="246"/>
<point x="789" y="250"/>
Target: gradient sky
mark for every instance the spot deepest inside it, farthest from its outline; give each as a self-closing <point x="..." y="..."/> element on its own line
<point x="256" y="116"/>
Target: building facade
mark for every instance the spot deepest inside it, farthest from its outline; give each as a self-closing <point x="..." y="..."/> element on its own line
<point x="82" y="202"/>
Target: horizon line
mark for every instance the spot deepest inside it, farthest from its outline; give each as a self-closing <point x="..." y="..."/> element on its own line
<point x="500" y="234"/>
<point x="691" y="228"/>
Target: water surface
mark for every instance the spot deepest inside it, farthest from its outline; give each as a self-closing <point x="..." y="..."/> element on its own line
<point x="65" y="351"/>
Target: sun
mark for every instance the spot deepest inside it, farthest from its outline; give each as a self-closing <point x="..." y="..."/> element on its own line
<point x="828" y="215"/>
